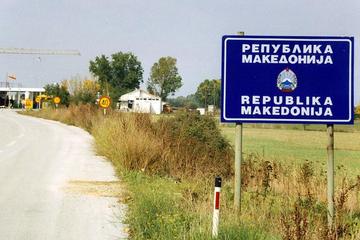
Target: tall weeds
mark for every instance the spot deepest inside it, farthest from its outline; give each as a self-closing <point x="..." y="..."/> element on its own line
<point x="177" y="147"/>
<point x="172" y="162"/>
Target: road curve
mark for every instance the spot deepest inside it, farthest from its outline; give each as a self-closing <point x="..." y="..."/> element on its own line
<point x="38" y="161"/>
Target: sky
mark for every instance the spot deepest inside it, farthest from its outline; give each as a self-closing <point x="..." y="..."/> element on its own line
<point x="188" y="30"/>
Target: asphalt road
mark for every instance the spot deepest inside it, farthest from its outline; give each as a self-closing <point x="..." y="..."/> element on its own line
<point x="38" y="161"/>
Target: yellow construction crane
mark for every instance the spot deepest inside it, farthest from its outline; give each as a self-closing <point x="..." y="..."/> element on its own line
<point x="38" y="51"/>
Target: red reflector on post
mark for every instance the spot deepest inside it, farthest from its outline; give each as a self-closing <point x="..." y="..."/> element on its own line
<point x="217" y="200"/>
<point x="216" y="215"/>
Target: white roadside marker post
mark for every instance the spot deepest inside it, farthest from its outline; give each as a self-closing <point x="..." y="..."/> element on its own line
<point x="216" y="214"/>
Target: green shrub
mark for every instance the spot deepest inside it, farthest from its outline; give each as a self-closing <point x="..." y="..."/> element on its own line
<point x="196" y="146"/>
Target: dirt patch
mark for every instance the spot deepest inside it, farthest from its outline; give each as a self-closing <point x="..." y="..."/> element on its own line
<point x="95" y="188"/>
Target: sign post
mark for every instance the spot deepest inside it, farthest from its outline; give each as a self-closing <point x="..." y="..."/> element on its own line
<point x="28" y="104"/>
<point x="38" y="101"/>
<point x="57" y="100"/>
<point x="330" y="174"/>
<point x="287" y="79"/>
<point x="238" y="158"/>
<point x="104" y="102"/>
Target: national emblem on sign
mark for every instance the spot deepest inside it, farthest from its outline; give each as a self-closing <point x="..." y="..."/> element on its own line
<point x="287" y="80"/>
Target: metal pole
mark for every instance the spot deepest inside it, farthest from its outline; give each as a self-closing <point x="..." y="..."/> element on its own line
<point x="238" y="158"/>
<point x="206" y="93"/>
<point x="330" y="174"/>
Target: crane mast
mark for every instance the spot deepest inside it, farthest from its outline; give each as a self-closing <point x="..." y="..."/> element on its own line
<point x="38" y="51"/>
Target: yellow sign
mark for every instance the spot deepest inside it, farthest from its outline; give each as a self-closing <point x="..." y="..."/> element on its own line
<point x="28" y="104"/>
<point x="44" y="96"/>
<point x="104" y="102"/>
<point x="57" y="100"/>
<point x="38" y="99"/>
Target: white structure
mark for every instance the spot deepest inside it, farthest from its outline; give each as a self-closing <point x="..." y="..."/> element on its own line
<point x="201" y="111"/>
<point x="211" y="108"/>
<point x="140" y="101"/>
<point x="10" y="95"/>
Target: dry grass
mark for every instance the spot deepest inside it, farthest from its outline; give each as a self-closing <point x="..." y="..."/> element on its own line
<point x="184" y="146"/>
<point x="166" y="147"/>
<point x="84" y="116"/>
<point x="129" y="146"/>
<point x="297" y="199"/>
<point x="286" y="201"/>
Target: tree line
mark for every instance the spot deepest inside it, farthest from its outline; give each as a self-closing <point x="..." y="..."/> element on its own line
<point x="121" y="73"/>
<point x="208" y="93"/>
<point x="116" y="75"/>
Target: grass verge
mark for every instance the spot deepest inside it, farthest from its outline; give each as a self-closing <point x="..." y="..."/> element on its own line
<point x="168" y="166"/>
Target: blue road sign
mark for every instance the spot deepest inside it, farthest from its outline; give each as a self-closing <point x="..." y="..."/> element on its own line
<point x="287" y="79"/>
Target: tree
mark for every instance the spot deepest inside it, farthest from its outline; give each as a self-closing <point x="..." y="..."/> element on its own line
<point x="208" y="92"/>
<point x="164" y="78"/>
<point x="57" y="90"/>
<point x="357" y="110"/>
<point x="82" y="90"/>
<point x="189" y="101"/>
<point x="121" y="74"/>
<point x="101" y="68"/>
<point x="87" y="93"/>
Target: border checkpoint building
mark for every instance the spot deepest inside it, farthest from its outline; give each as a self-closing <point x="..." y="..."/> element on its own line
<point x="12" y="95"/>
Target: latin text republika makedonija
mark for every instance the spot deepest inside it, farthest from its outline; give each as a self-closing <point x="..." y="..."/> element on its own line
<point x="286" y="105"/>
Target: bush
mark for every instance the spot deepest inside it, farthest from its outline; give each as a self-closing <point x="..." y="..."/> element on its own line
<point x="195" y="145"/>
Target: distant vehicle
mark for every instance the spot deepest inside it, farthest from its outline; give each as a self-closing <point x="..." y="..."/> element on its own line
<point x="167" y="108"/>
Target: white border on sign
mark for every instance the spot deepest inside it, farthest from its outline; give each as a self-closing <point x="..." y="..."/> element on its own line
<point x="290" y="120"/>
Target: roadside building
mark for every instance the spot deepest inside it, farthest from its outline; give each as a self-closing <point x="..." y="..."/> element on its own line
<point x="140" y="101"/>
<point x="13" y="96"/>
<point x="201" y="111"/>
